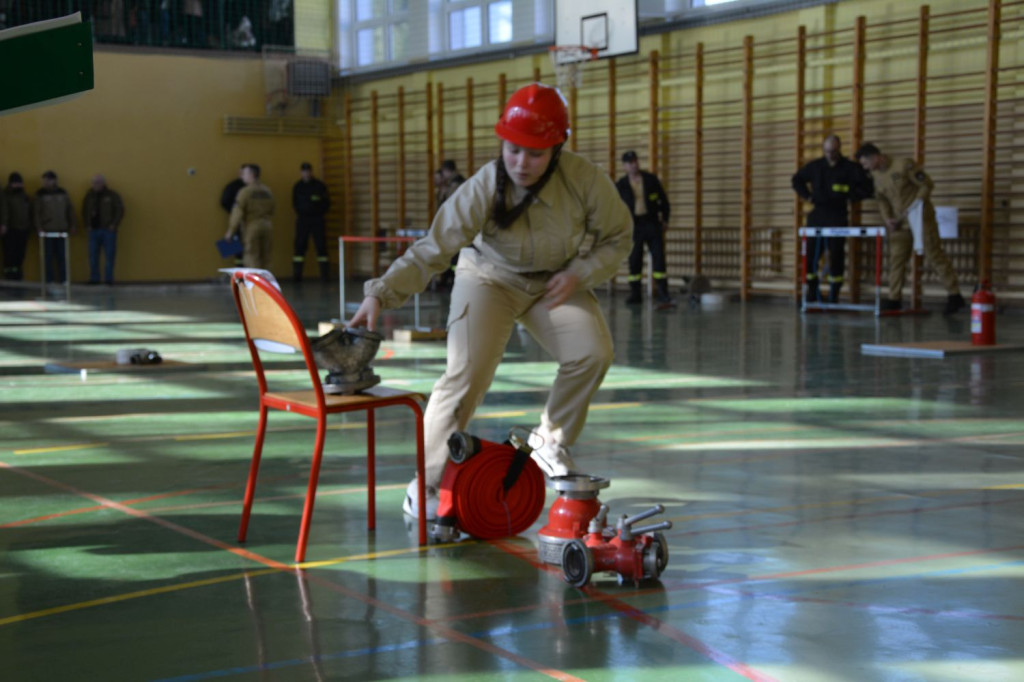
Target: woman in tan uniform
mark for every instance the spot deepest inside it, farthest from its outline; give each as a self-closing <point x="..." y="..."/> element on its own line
<point x="519" y="222"/>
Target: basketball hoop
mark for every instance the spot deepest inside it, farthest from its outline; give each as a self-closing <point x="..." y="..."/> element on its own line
<point x="568" y="62"/>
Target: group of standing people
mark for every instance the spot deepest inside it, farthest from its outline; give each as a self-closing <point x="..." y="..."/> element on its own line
<point x="831" y="182"/>
<point x="250" y="205"/>
<point x="51" y="212"/>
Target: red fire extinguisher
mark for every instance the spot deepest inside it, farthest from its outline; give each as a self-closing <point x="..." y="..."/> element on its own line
<point x="983" y="316"/>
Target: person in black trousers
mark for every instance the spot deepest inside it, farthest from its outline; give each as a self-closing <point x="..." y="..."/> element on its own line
<point x="648" y="204"/>
<point x="829" y="183"/>
<point x="311" y="200"/>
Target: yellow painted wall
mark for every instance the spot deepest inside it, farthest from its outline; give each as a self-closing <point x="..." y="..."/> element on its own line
<point x="150" y="118"/>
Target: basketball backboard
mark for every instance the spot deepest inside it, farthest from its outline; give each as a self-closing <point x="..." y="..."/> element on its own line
<point x="608" y="26"/>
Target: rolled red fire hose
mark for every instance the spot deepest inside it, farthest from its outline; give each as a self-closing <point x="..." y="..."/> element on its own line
<point x="483" y="508"/>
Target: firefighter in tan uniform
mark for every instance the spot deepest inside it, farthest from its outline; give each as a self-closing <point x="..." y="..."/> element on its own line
<point x="898" y="184"/>
<point x="253" y="212"/>
<point x="518" y="225"/>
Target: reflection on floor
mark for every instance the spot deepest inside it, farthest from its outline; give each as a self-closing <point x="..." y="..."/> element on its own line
<point x="837" y="516"/>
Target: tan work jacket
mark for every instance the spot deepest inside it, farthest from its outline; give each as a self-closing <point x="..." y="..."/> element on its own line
<point x="254" y="204"/>
<point x="903" y="183"/>
<point x="577" y="223"/>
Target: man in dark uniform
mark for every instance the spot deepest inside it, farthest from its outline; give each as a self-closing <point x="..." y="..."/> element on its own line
<point x="648" y="204"/>
<point x="15" y="225"/>
<point x="311" y="200"/>
<point x="227" y="202"/>
<point x="829" y="183"/>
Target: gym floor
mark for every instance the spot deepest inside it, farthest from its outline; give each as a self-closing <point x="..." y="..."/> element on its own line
<point x="836" y="516"/>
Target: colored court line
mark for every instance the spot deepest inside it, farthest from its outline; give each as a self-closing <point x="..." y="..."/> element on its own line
<point x="309" y="660"/>
<point x="77" y="606"/>
<point x="194" y="437"/>
<point x="170" y="525"/>
<point x="448" y="633"/>
<point x="113" y="599"/>
<point x="59" y="448"/>
<point x="772" y="577"/>
<point x="468" y="616"/>
<point x="650" y="621"/>
<point x="83" y="510"/>
<point x="276" y="498"/>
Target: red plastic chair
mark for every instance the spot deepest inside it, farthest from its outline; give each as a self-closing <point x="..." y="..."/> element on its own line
<point x="267" y="316"/>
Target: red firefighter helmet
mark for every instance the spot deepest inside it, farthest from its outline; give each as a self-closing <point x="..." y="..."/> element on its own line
<point x="535" y="117"/>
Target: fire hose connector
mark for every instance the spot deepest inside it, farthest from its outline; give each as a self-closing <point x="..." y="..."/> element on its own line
<point x="571" y="514"/>
<point x="634" y="553"/>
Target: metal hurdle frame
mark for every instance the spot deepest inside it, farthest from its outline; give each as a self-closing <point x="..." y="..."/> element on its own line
<point x="856" y="232"/>
<point x="341" y="273"/>
<point x="66" y="236"/>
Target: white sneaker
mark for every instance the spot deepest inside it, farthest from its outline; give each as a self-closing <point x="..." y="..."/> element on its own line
<point x="411" y="503"/>
<point x="554" y="460"/>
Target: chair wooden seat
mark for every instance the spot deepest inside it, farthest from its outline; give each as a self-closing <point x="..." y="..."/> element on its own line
<point x="267" y="316"/>
<point x="308" y="399"/>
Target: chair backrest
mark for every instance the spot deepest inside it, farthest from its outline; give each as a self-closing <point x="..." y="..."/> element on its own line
<point x="267" y="316"/>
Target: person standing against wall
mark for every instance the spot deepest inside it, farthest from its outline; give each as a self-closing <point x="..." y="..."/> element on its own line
<point x="518" y="223"/>
<point x="227" y="202"/>
<point x="53" y="212"/>
<point x="829" y="183"/>
<point x="102" y="212"/>
<point x="253" y="213"/>
<point x="449" y="181"/>
<point x="311" y="200"/>
<point x="898" y="185"/>
<point x="648" y="204"/>
<point x="15" y="225"/>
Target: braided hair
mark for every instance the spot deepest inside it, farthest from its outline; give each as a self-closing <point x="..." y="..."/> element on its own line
<point x="504" y="216"/>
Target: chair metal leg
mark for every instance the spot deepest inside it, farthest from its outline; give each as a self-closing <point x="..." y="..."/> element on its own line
<point x="371" y="470"/>
<point x="421" y="470"/>
<point x="314" y="476"/>
<point x="254" y="467"/>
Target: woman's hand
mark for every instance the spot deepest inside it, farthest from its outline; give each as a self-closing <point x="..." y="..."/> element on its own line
<point x="367" y="314"/>
<point x="560" y="287"/>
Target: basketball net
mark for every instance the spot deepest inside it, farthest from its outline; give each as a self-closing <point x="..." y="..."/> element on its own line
<point x="568" y="62"/>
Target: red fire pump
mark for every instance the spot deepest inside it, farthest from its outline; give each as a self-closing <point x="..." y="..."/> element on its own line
<point x="983" y="316"/>
<point x="633" y="553"/>
<point x="489" y="490"/>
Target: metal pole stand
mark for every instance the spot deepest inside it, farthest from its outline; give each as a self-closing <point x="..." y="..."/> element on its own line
<point x="417" y="332"/>
<point x="43" y="236"/>
<point x="850" y="232"/>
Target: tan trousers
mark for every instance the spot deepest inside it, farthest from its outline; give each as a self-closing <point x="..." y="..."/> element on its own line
<point x="256" y="244"/>
<point x="486" y="303"/>
<point x="901" y="247"/>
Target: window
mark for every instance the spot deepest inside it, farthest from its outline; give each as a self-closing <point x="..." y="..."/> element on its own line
<point x="377" y="31"/>
<point x="371" y="46"/>
<point x="377" y="34"/>
<point x="466" y="21"/>
<point x="464" y="28"/>
<point x="499" y="19"/>
<point x="371" y="9"/>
